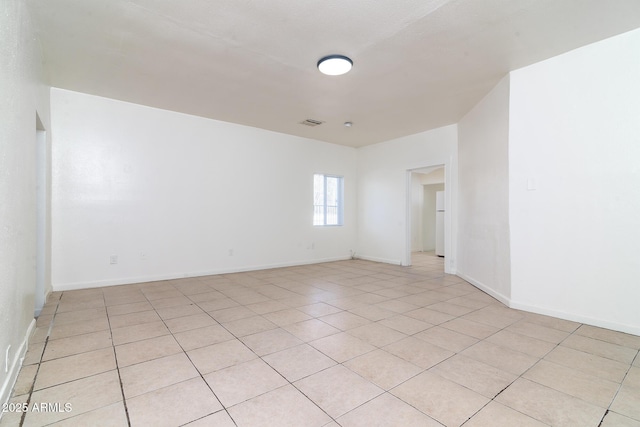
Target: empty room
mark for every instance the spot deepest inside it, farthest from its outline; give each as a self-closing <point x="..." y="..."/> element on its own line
<point x="301" y="213"/>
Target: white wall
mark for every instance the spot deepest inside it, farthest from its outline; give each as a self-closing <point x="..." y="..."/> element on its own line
<point x="384" y="192"/>
<point x="171" y="194"/>
<point x="483" y="194"/>
<point x="575" y="137"/>
<point x="22" y="96"/>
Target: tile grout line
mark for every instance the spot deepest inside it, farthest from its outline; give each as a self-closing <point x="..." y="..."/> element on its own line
<point x="346" y="331"/>
<point x="613" y="399"/>
<point x="492" y="399"/>
<point x="525" y="371"/>
<point x="115" y="355"/>
<point x="39" y="364"/>
<point x="264" y="361"/>
<point x="224" y="408"/>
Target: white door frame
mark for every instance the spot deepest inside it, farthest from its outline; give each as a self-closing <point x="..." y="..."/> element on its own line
<point x="42" y="190"/>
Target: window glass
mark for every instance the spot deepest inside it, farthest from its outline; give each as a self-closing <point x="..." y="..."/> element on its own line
<point x="327" y="199"/>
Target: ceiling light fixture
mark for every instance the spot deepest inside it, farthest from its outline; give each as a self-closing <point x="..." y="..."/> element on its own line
<point x="335" y="65"/>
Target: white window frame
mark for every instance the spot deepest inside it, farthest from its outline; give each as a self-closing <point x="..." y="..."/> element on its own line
<point x="324" y="207"/>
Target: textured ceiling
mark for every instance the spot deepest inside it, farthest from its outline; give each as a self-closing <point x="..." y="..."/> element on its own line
<point x="418" y="64"/>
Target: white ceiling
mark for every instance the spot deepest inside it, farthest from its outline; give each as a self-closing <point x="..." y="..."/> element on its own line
<point x="418" y="64"/>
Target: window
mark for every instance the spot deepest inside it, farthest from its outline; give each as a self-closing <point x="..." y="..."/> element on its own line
<point x="327" y="199"/>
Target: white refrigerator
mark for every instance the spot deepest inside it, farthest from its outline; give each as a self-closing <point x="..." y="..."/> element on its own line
<point x="440" y="223"/>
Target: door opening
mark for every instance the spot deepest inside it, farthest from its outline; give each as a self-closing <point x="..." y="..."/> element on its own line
<point x="422" y="186"/>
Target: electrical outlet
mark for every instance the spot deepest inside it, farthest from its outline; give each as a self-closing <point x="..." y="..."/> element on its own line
<point x="230" y="252"/>
<point x="143" y="256"/>
<point x="113" y="259"/>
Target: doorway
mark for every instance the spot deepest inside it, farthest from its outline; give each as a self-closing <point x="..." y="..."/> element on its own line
<point x="422" y="186"/>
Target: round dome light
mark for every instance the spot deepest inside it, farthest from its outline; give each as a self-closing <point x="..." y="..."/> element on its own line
<point x="335" y="65"/>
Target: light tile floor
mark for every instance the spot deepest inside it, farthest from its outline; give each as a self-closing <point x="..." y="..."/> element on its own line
<point x="350" y="343"/>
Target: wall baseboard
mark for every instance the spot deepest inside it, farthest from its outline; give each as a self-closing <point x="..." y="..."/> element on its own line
<point x="486" y="289"/>
<point x="16" y="365"/>
<point x="546" y="311"/>
<point x="58" y="287"/>
<point x="376" y="259"/>
<point x="574" y="317"/>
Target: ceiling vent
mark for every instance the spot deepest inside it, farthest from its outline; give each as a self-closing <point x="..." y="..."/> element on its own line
<point x="311" y="122"/>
